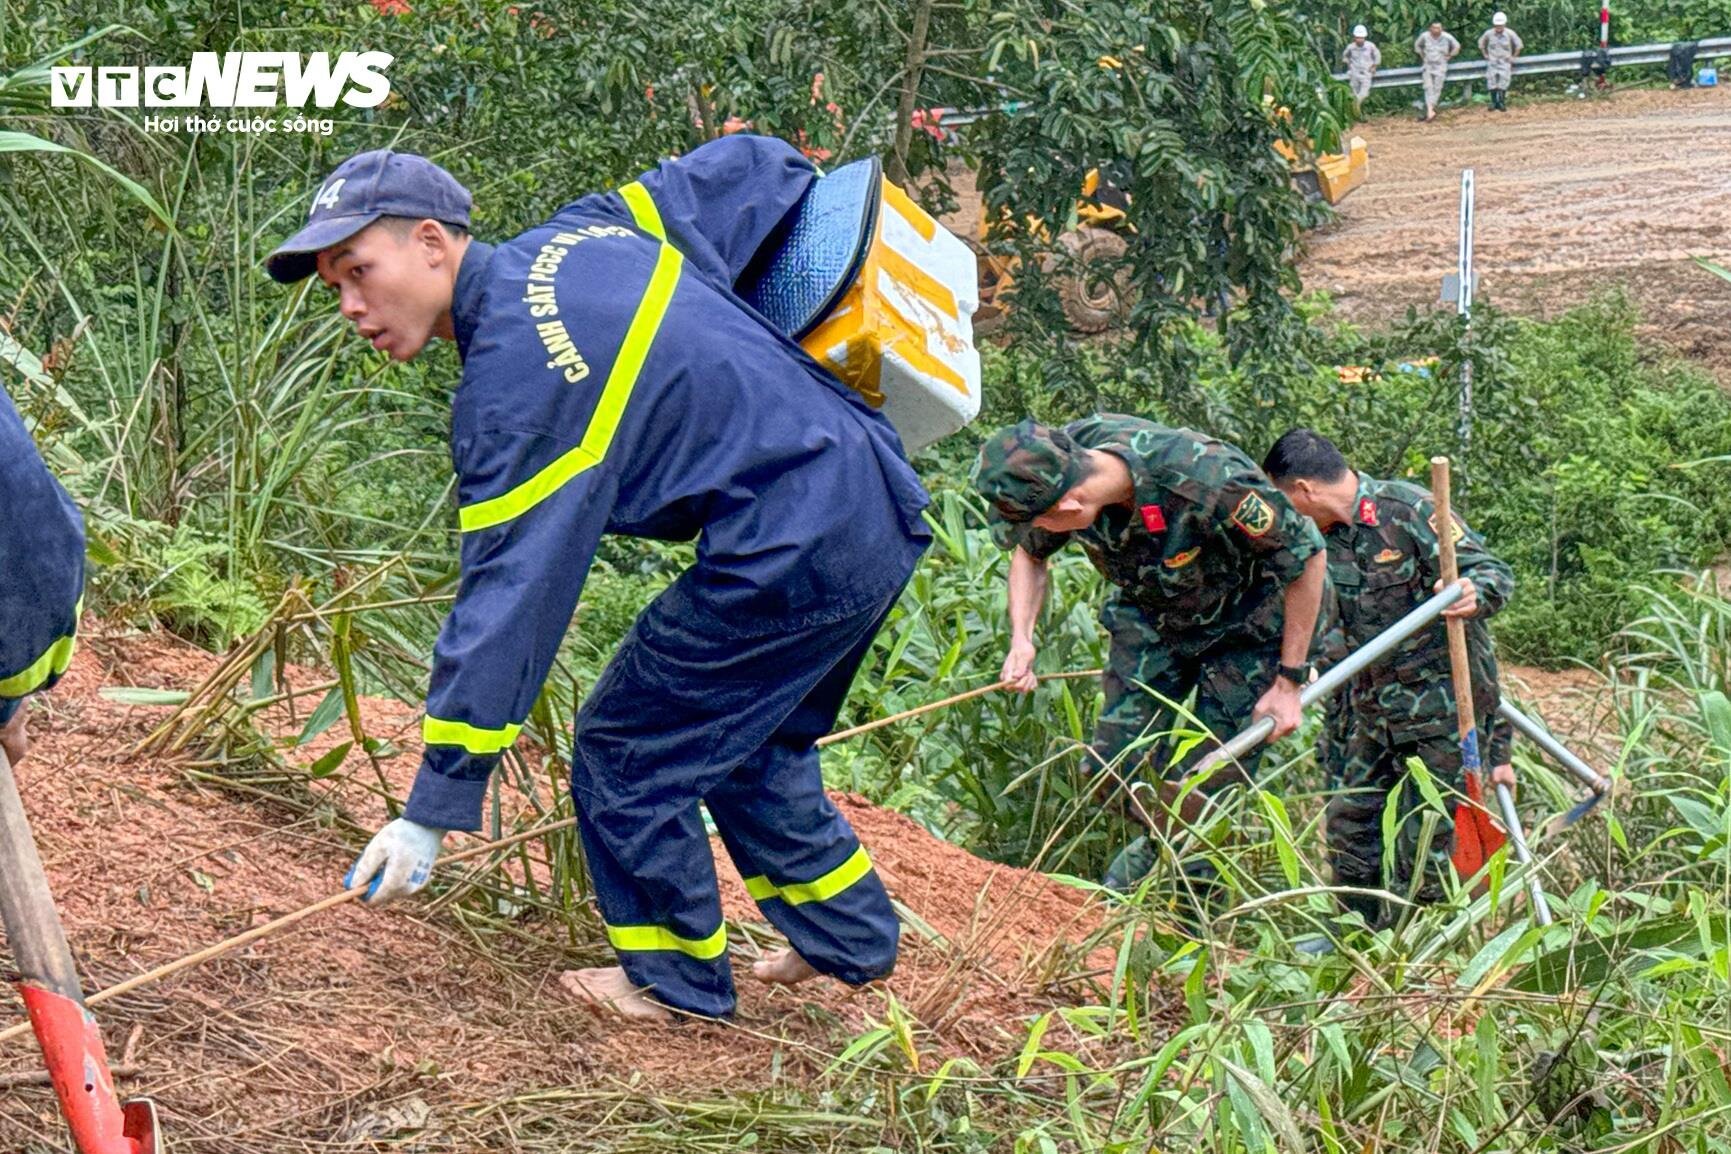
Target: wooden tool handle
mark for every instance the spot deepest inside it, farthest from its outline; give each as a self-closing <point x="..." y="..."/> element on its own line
<point x="27" y="910"/>
<point x="1457" y="628"/>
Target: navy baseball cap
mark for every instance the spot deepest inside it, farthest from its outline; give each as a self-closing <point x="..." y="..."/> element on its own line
<point x="361" y="190"/>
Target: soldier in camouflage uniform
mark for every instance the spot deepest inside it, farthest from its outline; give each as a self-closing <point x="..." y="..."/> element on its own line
<point x="1218" y="581"/>
<point x="1383" y="560"/>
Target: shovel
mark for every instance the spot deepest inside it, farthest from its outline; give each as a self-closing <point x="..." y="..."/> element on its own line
<point x="1155" y="805"/>
<point x="1561" y="754"/>
<point x="48" y="983"/>
<point x="1476" y="836"/>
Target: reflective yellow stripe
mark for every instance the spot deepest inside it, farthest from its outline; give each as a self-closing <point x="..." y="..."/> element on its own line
<point x="828" y="886"/>
<point x="438" y="731"/>
<point x="643" y="210"/>
<point x="52" y="663"/>
<point x="639" y="939"/>
<point x="608" y="410"/>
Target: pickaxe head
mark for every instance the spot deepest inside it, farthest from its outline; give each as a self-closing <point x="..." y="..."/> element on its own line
<point x="1581" y="809"/>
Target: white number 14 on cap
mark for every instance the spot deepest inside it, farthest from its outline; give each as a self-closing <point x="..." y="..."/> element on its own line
<point x="327" y="197"/>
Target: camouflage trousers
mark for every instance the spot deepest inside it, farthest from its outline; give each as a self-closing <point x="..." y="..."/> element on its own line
<point x="1228" y="677"/>
<point x="1365" y="762"/>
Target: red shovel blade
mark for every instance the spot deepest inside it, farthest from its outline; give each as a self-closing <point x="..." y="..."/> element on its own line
<point x="72" y="1050"/>
<point x="138" y="1122"/>
<point x="1477" y="837"/>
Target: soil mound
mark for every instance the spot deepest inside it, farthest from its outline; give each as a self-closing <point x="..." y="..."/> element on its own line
<point x="359" y="1025"/>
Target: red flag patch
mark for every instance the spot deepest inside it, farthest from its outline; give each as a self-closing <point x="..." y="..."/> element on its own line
<point x="1153" y="519"/>
<point x="1367" y="511"/>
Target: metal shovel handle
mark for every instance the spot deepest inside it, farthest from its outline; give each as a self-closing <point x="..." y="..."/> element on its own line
<point x="1338" y="675"/>
<point x="1556" y="750"/>
<point x="1518" y="835"/>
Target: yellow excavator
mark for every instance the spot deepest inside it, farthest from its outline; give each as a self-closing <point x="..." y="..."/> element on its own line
<point x="1323" y="177"/>
<point x="1098" y="295"/>
<point x="1326" y="177"/>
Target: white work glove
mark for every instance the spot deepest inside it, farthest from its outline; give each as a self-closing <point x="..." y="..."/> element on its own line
<point x="399" y="860"/>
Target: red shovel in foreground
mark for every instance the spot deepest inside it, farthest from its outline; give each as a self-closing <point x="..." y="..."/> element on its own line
<point x="67" y="1032"/>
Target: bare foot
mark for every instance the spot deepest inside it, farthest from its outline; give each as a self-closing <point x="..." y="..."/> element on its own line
<point x="783" y="968"/>
<point x="14" y="739"/>
<point x="607" y="988"/>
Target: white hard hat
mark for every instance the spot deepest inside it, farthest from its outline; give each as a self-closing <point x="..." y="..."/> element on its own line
<point x="1498" y="20"/>
<point x="1360" y="30"/>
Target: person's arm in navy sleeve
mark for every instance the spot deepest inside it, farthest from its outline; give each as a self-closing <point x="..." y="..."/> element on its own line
<point x="523" y="568"/>
<point x="42" y="582"/>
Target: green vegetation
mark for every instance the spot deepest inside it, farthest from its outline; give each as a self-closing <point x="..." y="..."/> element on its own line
<point x="238" y="458"/>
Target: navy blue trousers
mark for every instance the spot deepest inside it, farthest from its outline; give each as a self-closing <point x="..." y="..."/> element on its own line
<point x="693" y="710"/>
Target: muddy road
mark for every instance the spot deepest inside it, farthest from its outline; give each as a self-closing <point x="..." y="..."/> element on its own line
<point x="1573" y="197"/>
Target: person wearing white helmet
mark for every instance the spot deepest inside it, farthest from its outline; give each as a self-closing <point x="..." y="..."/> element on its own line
<point x="1362" y="59"/>
<point x="1499" y="45"/>
<point x="1435" y="48"/>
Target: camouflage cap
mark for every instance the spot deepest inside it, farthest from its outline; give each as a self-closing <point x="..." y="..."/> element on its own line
<point x="1024" y="469"/>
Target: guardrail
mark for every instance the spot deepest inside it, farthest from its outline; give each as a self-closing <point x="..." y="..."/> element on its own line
<point x="1414" y="75"/>
<point x="1549" y="62"/>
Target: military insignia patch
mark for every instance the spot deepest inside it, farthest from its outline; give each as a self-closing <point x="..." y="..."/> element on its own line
<point x="1367" y="512"/>
<point x="1179" y="560"/>
<point x="1455" y="525"/>
<point x="1153" y="519"/>
<point x="1253" y="515"/>
<point x="1388" y="555"/>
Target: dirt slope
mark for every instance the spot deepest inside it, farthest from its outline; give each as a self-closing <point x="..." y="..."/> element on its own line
<point x="1572" y="197"/>
<point x="359" y="1026"/>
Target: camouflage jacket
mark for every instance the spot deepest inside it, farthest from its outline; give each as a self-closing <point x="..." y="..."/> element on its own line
<point x="1207" y="547"/>
<point x="1384" y="562"/>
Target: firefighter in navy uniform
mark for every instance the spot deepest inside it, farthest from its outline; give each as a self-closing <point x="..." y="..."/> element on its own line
<point x="41" y="579"/>
<point x="612" y="383"/>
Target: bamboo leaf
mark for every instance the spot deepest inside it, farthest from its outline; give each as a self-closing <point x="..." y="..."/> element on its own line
<point x="324" y="716"/>
<point x="25" y="142"/>
<point x="1716" y="269"/>
<point x="1284" y="843"/>
<point x="1031" y="1049"/>
<point x="328" y="764"/>
<point x="1268" y="1104"/>
<point x="263" y="673"/>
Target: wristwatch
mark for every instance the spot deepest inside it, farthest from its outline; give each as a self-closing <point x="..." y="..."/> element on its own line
<point x="1299" y="675"/>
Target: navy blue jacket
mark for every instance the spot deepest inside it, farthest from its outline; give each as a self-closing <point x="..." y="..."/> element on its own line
<point x="612" y="383"/>
<point x="41" y="567"/>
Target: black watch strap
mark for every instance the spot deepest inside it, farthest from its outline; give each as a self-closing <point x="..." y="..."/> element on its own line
<point x="1299" y="675"/>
